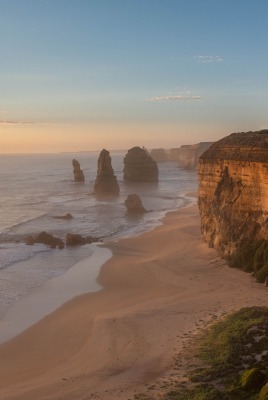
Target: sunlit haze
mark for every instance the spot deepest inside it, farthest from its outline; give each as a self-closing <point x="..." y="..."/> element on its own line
<point x="87" y="74"/>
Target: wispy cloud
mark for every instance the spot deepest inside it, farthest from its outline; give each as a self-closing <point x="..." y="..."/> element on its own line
<point x="174" y="98"/>
<point x="209" y="59"/>
<point x="14" y="122"/>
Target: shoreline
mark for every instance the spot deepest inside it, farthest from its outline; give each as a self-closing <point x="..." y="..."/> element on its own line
<point x="55" y="291"/>
<point x="158" y="287"/>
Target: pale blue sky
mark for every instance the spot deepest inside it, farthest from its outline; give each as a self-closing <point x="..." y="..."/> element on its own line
<point x="164" y="72"/>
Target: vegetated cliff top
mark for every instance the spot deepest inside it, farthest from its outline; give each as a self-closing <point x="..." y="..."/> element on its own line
<point x="240" y="146"/>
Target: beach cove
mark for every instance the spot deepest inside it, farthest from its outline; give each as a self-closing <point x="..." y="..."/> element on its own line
<point x="158" y="287"/>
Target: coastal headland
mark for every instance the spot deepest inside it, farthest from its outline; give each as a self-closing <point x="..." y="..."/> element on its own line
<point x="159" y="289"/>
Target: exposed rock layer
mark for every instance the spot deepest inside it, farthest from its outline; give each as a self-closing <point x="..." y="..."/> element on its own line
<point x="106" y="181"/>
<point x="139" y="166"/>
<point x="233" y="191"/>
<point x="78" y="173"/>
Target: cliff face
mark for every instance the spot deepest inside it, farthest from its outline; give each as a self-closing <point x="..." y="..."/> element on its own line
<point x="159" y="155"/>
<point x="188" y="155"/>
<point x="233" y="191"/>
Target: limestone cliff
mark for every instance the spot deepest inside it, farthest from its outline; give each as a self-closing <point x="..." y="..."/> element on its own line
<point x="159" y="155"/>
<point x="188" y="155"/>
<point x="233" y="191"/>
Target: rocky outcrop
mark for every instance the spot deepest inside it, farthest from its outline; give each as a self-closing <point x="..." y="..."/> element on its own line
<point x="159" y="155"/>
<point x="188" y="155"/>
<point x="78" y="173"/>
<point x="233" y="191"/>
<point x="134" y="205"/>
<point x="106" y="182"/>
<point x="74" y="239"/>
<point x="139" y="166"/>
<point x="66" y="216"/>
<point x="45" y="238"/>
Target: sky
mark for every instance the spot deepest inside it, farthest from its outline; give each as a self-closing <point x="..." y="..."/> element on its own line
<point x="80" y="75"/>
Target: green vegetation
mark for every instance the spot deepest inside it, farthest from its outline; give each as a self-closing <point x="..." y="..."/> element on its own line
<point x="252" y="379"/>
<point x="263" y="393"/>
<point x="252" y="257"/>
<point x="233" y="358"/>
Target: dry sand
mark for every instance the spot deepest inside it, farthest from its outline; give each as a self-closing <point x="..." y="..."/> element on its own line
<point x="159" y="289"/>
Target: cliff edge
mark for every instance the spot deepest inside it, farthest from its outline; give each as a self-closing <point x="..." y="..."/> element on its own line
<point x="233" y="192"/>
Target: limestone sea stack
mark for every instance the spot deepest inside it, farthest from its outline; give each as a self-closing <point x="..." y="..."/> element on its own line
<point x="78" y="173"/>
<point x="134" y="205"/>
<point x="233" y="192"/>
<point x="106" y="181"/>
<point x="139" y="166"/>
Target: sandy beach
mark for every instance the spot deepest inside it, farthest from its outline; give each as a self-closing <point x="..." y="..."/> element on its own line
<point x="159" y="289"/>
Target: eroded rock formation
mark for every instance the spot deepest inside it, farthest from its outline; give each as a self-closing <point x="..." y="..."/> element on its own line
<point x="139" y="166"/>
<point x="233" y="191"/>
<point x="78" y="173"/>
<point x="45" y="238"/>
<point x="106" y="181"/>
<point x="134" y="205"/>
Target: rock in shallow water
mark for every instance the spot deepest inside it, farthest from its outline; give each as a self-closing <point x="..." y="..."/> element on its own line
<point x="134" y="205"/>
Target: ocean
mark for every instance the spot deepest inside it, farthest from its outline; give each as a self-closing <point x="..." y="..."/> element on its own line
<point x="37" y="187"/>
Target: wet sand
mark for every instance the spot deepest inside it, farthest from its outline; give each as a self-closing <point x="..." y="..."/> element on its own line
<point x="159" y="289"/>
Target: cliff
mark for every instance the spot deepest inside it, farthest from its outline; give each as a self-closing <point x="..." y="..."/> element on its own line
<point x="159" y="155"/>
<point x="188" y="155"/>
<point x="139" y="166"/>
<point x="233" y="192"/>
<point x="106" y="182"/>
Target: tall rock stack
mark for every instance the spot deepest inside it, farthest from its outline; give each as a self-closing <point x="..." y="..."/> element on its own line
<point x="139" y="166"/>
<point x="106" y="182"/>
<point x="78" y="173"/>
<point x="233" y="191"/>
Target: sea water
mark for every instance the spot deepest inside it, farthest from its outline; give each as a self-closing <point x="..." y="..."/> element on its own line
<point x="37" y="187"/>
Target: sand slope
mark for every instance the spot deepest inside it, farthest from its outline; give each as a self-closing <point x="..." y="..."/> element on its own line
<point x="108" y="345"/>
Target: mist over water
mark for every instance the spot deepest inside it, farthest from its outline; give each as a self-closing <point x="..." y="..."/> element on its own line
<point x="35" y="188"/>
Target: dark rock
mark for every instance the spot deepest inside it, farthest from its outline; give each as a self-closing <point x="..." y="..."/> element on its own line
<point x="134" y="204"/>
<point x="78" y="173"/>
<point x="66" y="216"/>
<point x="45" y="238"/>
<point x="74" y="239"/>
<point x="106" y="181"/>
<point x="139" y="166"/>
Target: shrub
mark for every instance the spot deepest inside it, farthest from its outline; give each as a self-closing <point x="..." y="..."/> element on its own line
<point x="263" y="395"/>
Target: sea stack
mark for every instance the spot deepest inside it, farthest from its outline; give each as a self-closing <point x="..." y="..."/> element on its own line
<point x="134" y="205"/>
<point x="78" y="173"/>
<point x="233" y="193"/>
<point x="139" y="166"/>
<point x="106" y="182"/>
